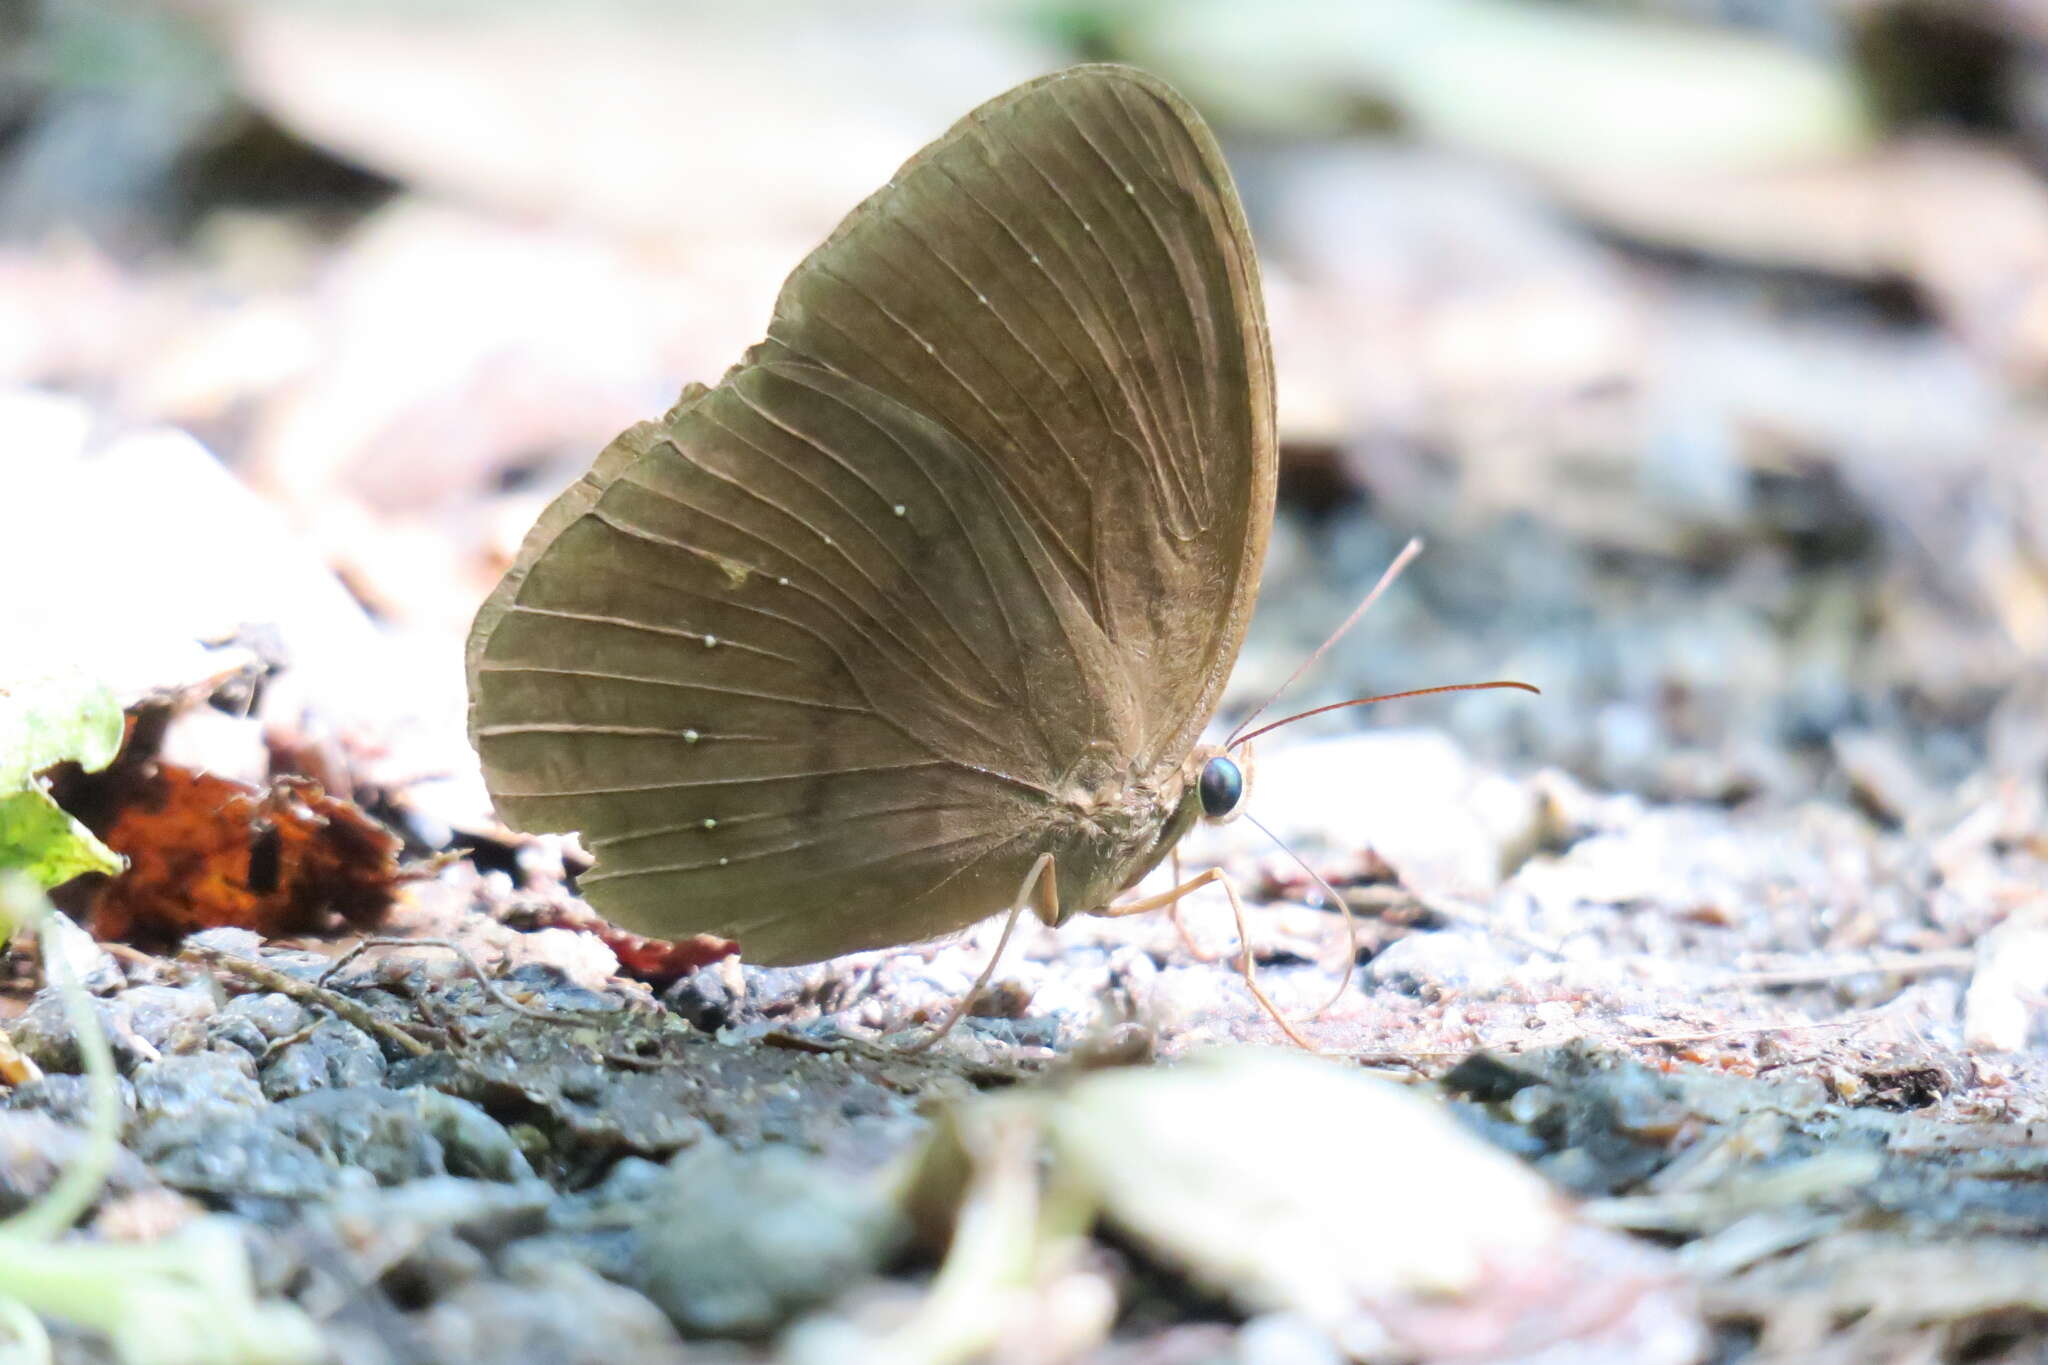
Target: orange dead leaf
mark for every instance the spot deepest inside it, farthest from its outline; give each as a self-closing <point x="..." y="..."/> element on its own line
<point x="204" y="852"/>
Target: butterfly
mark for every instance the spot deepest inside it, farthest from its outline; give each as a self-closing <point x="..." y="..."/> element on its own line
<point x="919" y="613"/>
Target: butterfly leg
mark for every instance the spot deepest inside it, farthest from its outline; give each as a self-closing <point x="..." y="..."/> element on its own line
<point x="1039" y="891"/>
<point x="1245" y="966"/>
<point x="1187" y="940"/>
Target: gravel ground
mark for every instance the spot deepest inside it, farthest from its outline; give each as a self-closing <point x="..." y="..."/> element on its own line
<point x="1693" y="1007"/>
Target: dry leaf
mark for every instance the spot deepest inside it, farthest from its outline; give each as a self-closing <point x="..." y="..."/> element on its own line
<point x="206" y="852"/>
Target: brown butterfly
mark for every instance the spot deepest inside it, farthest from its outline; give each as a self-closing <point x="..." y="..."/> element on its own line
<point x="919" y="613"/>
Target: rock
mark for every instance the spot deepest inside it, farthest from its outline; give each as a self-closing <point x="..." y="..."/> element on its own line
<point x="734" y="1244"/>
<point x="43" y="1034"/>
<point x="402" y="1134"/>
<point x="581" y="957"/>
<point x="585" y="1111"/>
<point x="277" y="1015"/>
<point x="254" y="1022"/>
<point x="92" y="966"/>
<point x="489" y="1213"/>
<point x="36" y="1149"/>
<point x="546" y="986"/>
<point x="703" y="998"/>
<point x="247" y="1160"/>
<point x="426" y="1239"/>
<point x="68" y="1099"/>
<point x="228" y="939"/>
<point x="304" y="1146"/>
<point x="336" y="1053"/>
<point x="170" y="1018"/>
<point x="550" y="1313"/>
<point x="196" y="1088"/>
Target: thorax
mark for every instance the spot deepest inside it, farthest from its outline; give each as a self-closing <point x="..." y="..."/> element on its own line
<point x="1110" y="822"/>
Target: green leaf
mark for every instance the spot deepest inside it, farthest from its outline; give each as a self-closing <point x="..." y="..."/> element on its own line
<point x="44" y="721"/>
<point x="54" y="719"/>
<point x="38" y="838"/>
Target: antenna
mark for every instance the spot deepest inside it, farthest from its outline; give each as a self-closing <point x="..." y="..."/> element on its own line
<point x="1393" y="571"/>
<point x="1385" y="696"/>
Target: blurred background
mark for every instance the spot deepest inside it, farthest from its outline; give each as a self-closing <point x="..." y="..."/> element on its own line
<point x="1704" y="340"/>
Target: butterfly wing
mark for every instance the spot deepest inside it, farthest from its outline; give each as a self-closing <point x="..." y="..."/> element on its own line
<point x="1066" y="281"/>
<point x="807" y="661"/>
<point x="759" y="690"/>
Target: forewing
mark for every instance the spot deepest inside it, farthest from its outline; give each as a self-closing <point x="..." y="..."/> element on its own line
<point x="1065" y="282"/>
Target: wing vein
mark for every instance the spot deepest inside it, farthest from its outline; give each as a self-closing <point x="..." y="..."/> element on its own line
<point x="671" y="632"/>
<point x="494" y="666"/>
<point x="937" y="486"/>
<point x="695" y="784"/>
<point x="1172" y="469"/>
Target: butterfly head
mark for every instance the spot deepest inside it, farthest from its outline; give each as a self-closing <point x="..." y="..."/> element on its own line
<point x="1222" y="781"/>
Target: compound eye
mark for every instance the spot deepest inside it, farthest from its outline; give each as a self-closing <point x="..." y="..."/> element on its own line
<point x="1222" y="787"/>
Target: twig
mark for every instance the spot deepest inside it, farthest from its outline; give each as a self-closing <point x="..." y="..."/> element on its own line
<point x="129" y="953"/>
<point x="1888" y="964"/>
<point x="297" y="1035"/>
<point x="1748" y="1030"/>
<point x="306" y="993"/>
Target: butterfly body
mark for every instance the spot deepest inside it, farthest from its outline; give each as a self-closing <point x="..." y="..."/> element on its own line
<point x="1111" y="825"/>
<point x="946" y="575"/>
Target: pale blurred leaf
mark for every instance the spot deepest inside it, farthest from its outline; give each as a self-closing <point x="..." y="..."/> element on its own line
<point x="670" y="121"/>
<point x="1541" y="84"/>
<point x="54" y="719"/>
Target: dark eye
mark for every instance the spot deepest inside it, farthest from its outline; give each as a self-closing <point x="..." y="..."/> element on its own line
<point x="1222" y="787"/>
